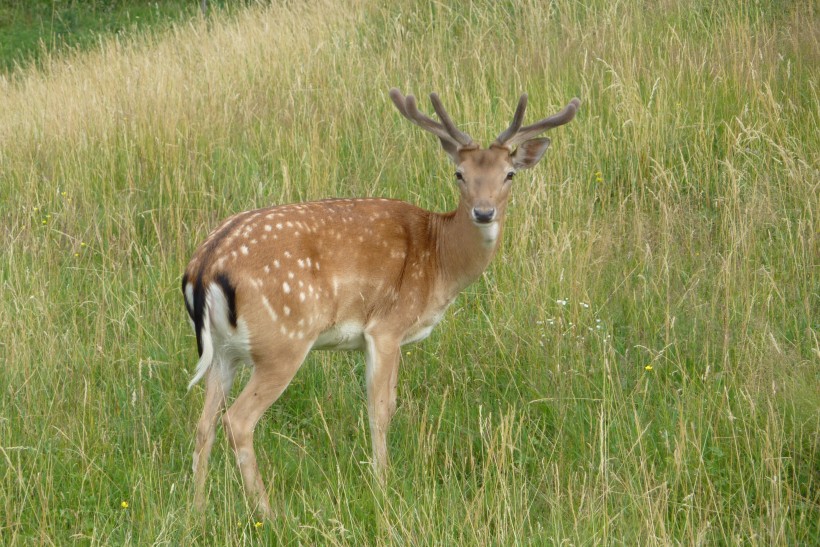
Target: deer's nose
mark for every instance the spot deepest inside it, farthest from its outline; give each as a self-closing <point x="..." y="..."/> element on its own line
<point x="483" y="216"/>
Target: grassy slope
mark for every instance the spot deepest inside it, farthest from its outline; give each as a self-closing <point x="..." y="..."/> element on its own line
<point x="31" y="30"/>
<point x="521" y="420"/>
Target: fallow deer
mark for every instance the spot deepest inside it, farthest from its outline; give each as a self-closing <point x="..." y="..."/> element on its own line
<point x="270" y="285"/>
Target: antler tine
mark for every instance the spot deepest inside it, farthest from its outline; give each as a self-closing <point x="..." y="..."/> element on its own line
<point x="398" y="100"/>
<point x="563" y="117"/>
<point x="446" y="131"/>
<point x="407" y="106"/>
<point x="462" y="138"/>
<point x="518" y="118"/>
<point x="425" y="121"/>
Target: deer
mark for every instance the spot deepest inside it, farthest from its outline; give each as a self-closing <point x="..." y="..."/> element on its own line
<point x="270" y="285"/>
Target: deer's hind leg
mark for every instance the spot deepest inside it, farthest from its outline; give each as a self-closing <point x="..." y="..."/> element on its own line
<point x="275" y="364"/>
<point x="217" y="387"/>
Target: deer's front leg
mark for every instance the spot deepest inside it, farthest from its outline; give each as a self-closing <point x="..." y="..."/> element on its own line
<point x="382" y="364"/>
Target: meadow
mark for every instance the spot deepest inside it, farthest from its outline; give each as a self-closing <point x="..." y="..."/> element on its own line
<point x="639" y="365"/>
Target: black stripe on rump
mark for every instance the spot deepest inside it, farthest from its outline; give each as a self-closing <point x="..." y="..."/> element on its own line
<point x="199" y="286"/>
<point x="230" y="295"/>
<point x="196" y="312"/>
<point x="199" y="312"/>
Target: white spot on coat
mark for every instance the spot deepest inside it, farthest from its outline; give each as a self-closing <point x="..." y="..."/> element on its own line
<point x="268" y="307"/>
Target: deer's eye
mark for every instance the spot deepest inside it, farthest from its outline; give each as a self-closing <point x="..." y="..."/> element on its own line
<point x="459" y="176"/>
<point x="510" y="176"/>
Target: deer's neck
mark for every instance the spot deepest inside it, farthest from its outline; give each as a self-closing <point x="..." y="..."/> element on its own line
<point x="463" y="249"/>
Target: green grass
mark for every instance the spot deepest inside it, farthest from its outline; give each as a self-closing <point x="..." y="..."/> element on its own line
<point x="521" y="419"/>
<point x="33" y="29"/>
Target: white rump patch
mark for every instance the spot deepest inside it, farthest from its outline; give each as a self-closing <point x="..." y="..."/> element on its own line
<point x="222" y="345"/>
<point x="189" y="295"/>
<point x="189" y="300"/>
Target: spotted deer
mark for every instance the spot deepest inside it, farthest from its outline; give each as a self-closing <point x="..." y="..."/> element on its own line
<point x="268" y="286"/>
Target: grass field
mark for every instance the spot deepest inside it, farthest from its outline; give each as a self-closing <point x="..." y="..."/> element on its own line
<point x="33" y="29"/>
<point x="640" y="364"/>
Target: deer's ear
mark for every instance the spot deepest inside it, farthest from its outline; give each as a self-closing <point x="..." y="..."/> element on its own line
<point x="529" y="153"/>
<point x="451" y="149"/>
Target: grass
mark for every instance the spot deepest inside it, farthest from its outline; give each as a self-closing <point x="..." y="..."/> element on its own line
<point x="638" y="365"/>
<point x="31" y="30"/>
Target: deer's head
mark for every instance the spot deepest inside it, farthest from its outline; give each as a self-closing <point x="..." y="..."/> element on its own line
<point x="484" y="175"/>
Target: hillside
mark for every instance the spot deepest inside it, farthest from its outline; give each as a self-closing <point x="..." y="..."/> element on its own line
<point x="638" y="365"/>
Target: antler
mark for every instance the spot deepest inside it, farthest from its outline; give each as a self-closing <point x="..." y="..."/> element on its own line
<point x="516" y="122"/>
<point x="515" y="134"/>
<point x="446" y="130"/>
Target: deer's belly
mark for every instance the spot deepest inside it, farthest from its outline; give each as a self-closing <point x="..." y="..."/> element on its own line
<point x="350" y="335"/>
<point x="344" y="336"/>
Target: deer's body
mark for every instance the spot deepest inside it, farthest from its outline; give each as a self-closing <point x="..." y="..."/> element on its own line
<point x="270" y="285"/>
<point x="308" y="273"/>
